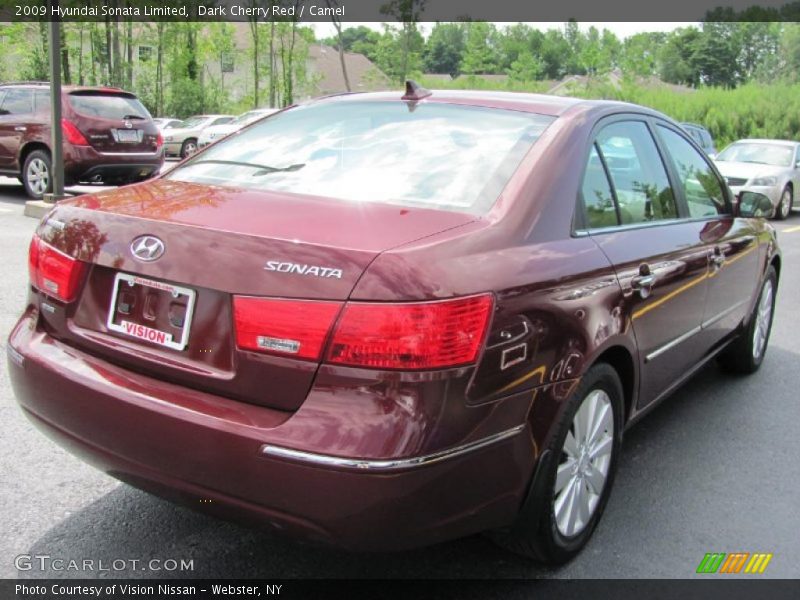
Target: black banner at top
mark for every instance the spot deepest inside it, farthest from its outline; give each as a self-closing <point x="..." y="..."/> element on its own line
<point x="400" y="10"/>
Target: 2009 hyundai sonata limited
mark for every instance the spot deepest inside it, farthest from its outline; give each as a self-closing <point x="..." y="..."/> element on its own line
<point x="386" y="320"/>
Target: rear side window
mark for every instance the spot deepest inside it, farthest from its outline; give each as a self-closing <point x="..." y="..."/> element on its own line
<point x="108" y="106"/>
<point x="701" y="188"/>
<point x="41" y="100"/>
<point x="433" y="155"/>
<point x="222" y="120"/>
<point x="638" y="176"/>
<point x="17" y="102"/>
<point x="598" y="199"/>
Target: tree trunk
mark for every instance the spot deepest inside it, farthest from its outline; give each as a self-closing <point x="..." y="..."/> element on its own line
<point x="273" y="87"/>
<point x="254" y="32"/>
<point x="288" y="69"/>
<point x="117" y="62"/>
<point x="129" y="44"/>
<point x="80" y="54"/>
<point x="109" y="68"/>
<point x="92" y="35"/>
<point x="160" y="69"/>
<point x="337" y="23"/>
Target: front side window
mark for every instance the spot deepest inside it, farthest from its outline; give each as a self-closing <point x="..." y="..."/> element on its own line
<point x="432" y="155"/>
<point x="637" y="173"/>
<point x="701" y="188"/>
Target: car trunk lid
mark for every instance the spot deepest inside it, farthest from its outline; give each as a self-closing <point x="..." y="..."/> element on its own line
<point x="217" y="243"/>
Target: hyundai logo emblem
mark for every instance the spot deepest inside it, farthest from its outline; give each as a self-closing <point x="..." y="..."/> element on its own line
<point x="147" y="248"/>
<point x="128" y="124"/>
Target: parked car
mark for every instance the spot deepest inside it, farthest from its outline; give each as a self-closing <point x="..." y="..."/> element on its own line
<point x="109" y="137"/>
<point x="414" y="318"/>
<point x="182" y="141"/>
<point x="701" y="136"/>
<point x="167" y="123"/>
<point x="217" y="132"/>
<point x="770" y="167"/>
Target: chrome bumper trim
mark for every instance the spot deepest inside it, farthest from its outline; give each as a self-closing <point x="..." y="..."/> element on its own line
<point x="396" y="464"/>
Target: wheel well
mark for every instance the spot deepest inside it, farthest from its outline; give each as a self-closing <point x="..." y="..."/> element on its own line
<point x="27" y="149"/>
<point x="622" y="362"/>
<point x="776" y="263"/>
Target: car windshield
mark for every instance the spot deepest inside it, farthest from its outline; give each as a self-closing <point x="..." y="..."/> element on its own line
<point x="192" y="122"/>
<point x="760" y="153"/>
<point x="432" y="155"/>
<point x="108" y="106"/>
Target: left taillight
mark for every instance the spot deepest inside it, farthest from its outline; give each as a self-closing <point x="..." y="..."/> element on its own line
<point x="72" y="134"/>
<point x="159" y="141"/>
<point x="295" y="328"/>
<point x="53" y="272"/>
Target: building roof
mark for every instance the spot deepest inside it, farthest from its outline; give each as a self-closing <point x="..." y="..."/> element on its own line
<point x="325" y="72"/>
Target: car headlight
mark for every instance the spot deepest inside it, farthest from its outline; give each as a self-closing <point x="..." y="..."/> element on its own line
<point x="764" y="181"/>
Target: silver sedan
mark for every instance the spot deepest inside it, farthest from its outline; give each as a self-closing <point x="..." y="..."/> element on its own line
<point x="769" y="167"/>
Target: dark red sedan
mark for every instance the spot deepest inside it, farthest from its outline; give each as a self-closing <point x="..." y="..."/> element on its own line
<point x="382" y="321"/>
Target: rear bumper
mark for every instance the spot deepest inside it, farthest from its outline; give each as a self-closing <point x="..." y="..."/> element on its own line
<point x="85" y="164"/>
<point x="279" y="468"/>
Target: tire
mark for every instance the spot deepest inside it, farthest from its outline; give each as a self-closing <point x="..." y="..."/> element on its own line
<point x="784" y="208"/>
<point x="188" y="147"/>
<point x="37" y="174"/>
<point x="546" y="530"/>
<point x="746" y="353"/>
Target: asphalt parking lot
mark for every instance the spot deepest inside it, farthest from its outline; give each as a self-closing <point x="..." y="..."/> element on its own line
<point x="713" y="469"/>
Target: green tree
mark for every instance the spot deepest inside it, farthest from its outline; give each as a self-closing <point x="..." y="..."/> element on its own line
<point x="479" y="53"/>
<point x="444" y="49"/>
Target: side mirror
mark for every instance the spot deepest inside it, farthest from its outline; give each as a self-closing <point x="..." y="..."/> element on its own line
<point x="797" y="165"/>
<point x="752" y="204"/>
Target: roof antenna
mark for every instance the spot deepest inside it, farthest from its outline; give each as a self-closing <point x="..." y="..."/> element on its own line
<point x="415" y="92"/>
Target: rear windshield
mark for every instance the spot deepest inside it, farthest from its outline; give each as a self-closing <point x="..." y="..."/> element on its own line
<point x="108" y="106"/>
<point x="432" y="155"/>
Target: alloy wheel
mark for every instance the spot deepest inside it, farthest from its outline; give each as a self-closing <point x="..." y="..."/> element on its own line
<point x="190" y="149"/>
<point x="786" y="203"/>
<point x="38" y="176"/>
<point x="763" y="318"/>
<point x="585" y="462"/>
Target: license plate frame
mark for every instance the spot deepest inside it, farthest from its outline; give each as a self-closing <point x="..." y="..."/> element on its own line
<point x="128" y="136"/>
<point x="175" y="290"/>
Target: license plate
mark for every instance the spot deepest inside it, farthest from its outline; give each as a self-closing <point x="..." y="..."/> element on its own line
<point x="128" y="135"/>
<point x="151" y="311"/>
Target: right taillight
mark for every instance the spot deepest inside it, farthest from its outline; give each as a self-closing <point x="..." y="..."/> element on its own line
<point x="423" y="335"/>
<point x="375" y="335"/>
<point x="53" y="272"/>
<point x="72" y="134"/>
